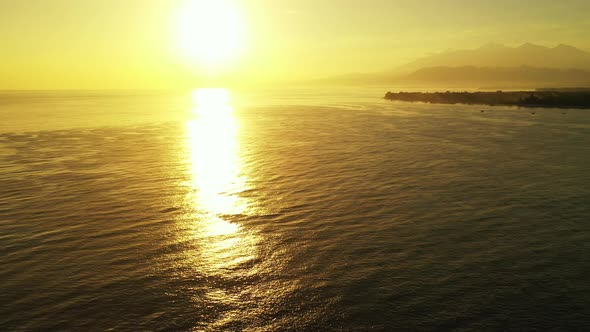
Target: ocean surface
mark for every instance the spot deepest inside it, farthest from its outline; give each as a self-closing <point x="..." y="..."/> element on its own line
<point x="297" y="210"/>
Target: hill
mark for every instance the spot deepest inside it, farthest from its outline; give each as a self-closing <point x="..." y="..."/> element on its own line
<point x="492" y="65"/>
<point x="496" y="55"/>
<point x="523" y="76"/>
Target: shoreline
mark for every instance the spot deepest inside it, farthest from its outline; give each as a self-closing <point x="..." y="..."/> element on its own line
<point x="531" y="99"/>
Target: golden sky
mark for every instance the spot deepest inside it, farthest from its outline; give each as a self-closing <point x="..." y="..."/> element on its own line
<point x="55" y="44"/>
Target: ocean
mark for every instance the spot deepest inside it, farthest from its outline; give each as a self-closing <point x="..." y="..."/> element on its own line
<point x="293" y="210"/>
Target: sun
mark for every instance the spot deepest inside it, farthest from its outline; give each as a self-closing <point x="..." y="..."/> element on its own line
<point x="210" y="33"/>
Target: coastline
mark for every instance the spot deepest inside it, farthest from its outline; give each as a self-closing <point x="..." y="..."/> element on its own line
<point x="538" y="99"/>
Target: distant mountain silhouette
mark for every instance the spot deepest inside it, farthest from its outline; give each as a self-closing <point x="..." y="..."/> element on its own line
<point x="523" y="76"/>
<point x="496" y="55"/>
<point x="492" y="65"/>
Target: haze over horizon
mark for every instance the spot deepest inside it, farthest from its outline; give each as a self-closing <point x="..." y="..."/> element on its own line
<point x="66" y="44"/>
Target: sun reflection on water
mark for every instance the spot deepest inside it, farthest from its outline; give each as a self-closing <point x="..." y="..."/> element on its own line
<point x="214" y="158"/>
<point x="216" y="180"/>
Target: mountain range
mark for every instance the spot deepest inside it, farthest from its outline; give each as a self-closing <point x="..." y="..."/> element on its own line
<point x="492" y="65"/>
<point x="496" y="55"/>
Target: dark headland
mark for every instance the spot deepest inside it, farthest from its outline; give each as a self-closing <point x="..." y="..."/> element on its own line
<point x="557" y="98"/>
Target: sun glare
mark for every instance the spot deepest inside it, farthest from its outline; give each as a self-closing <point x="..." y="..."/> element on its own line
<point x="210" y="33"/>
<point x="212" y="102"/>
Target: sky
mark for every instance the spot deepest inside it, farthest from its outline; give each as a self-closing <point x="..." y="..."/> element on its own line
<point x="112" y="44"/>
